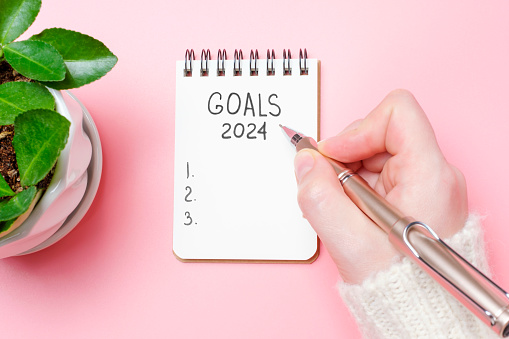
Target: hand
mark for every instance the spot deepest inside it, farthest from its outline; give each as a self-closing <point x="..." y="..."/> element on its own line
<point x="395" y="150"/>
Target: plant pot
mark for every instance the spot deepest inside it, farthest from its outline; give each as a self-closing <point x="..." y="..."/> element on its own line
<point x="67" y="188"/>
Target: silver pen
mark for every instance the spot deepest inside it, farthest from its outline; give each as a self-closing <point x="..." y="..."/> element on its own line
<point x="420" y="243"/>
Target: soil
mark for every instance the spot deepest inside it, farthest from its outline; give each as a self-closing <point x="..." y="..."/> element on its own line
<point x="8" y="74"/>
<point x="8" y="165"/>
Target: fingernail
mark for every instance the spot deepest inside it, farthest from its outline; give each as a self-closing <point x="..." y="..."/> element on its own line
<point x="304" y="162"/>
<point x="320" y="145"/>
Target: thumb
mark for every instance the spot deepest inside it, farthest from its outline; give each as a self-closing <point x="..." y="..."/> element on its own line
<point x="320" y="195"/>
<point x="344" y="230"/>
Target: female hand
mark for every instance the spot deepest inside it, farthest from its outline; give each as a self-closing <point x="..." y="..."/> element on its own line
<point x="395" y="150"/>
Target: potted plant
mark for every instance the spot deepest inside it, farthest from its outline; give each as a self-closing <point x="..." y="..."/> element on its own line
<point x="35" y="124"/>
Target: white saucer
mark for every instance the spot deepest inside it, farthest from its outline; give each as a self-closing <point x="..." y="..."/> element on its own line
<point x="94" y="177"/>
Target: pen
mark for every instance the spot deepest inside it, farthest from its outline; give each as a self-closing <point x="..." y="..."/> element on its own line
<point x="420" y="243"/>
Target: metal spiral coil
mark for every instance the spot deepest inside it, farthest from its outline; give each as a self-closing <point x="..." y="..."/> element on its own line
<point x="287" y="68"/>
<point x="270" y="66"/>
<point x="303" y="66"/>
<point x="221" y="57"/>
<point x="253" y="67"/>
<point x="188" y="64"/>
<point x="205" y="55"/>
<point x="237" y="68"/>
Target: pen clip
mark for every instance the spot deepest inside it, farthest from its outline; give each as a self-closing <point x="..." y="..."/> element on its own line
<point x="490" y="317"/>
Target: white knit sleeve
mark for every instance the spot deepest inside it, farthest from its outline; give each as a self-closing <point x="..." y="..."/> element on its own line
<point x="404" y="302"/>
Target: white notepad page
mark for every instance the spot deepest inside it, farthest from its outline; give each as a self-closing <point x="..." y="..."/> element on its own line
<point x="235" y="194"/>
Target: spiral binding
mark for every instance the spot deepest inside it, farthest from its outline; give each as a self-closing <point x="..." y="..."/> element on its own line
<point x="237" y="67"/>
<point x="270" y="67"/>
<point x="253" y="69"/>
<point x="188" y="65"/>
<point x="221" y="57"/>
<point x="287" y="69"/>
<point x="204" y="71"/>
<point x="303" y="69"/>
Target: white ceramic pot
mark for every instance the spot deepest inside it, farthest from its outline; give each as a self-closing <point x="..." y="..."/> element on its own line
<point x="66" y="189"/>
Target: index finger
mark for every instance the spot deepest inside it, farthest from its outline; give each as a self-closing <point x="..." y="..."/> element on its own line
<point x="398" y="125"/>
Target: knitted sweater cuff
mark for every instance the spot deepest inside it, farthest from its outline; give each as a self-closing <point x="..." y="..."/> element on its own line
<point x="404" y="302"/>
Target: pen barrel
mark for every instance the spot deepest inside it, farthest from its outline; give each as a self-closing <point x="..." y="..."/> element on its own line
<point x="370" y="202"/>
<point x="467" y="284"/>
<point x="421" y="244"/>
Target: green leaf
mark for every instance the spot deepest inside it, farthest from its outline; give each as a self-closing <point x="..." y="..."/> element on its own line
<point x="39" y="137"/>
<point x="18" y="204"/>
<point x="86" y="58"/>
<point x="15" y="18"/>
<point x="19" y="97"/>
<point x="5" y="189"/>
<point x="36" y="60"/>
<point x="5" y="225"/>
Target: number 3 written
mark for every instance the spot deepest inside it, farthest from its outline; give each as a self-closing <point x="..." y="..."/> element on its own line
<point x="189" y="219"/>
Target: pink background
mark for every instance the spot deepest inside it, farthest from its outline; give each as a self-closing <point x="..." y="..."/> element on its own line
<point x="115" y="275"/>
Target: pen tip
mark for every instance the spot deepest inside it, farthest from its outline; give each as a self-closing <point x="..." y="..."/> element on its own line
<point x="289" y="132"/>
<point x="292" y="136"/>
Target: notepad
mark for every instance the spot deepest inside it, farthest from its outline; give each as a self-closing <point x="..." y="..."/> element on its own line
<point x="235" y="194"/>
